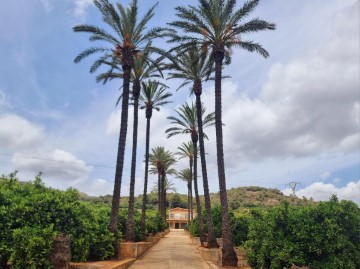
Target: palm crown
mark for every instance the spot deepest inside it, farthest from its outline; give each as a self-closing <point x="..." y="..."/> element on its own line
<point x="216" y="25"/>
<point x="129" y="38"/>
<point x="186" y="122"/>
<point x="191" y="66"/>
<point x="153" y="95"/>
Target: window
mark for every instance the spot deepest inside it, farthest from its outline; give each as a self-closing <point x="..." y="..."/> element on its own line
<point x="186" y="216"/>
<point x="171" y="216"/>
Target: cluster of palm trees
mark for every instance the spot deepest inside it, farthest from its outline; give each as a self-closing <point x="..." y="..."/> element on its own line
<point x="202" y="37"/>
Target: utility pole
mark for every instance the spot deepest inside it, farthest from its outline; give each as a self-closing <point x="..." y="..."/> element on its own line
<point x="293" y="185"/>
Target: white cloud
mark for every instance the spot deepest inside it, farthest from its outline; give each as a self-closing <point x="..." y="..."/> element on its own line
<point x="58" y="165"/>
<point x="17" y="132"/>
<point x="320" y="191"/>
<point x="80" y="7"/>
<point x="95" y="187"/>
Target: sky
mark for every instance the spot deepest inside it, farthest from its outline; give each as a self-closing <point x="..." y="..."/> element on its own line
<point x="293" y="117"/>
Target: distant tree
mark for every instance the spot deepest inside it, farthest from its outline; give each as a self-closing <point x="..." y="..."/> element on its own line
<point x="153" y="96"/>
<point x="186" y="175"/>
<point x="186" y="150"/>
<point x="186" y="123"/>
<point x="162" y="160"/>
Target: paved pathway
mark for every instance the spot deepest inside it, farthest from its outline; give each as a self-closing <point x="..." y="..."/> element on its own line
<point x="174" y="251"/>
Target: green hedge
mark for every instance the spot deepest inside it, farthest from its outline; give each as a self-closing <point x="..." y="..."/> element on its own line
<point x="32" y="215"/>
<point x="323" y="236"/>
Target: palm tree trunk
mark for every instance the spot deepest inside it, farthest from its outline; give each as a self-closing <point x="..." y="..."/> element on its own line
<point x="189" y="218"/>
<point x="120" y="155"/>
<point x="163" y="195"/>
<point x="191" y="164"/>
<point x="229" y="256"/>
<point x="211" y="239"/>
<point x="144" y="202"/>
<point x="197" y="197"/>
<point x="159" y="192"/>
<point x="130" y="226"/>
<point x="191" y="202"/>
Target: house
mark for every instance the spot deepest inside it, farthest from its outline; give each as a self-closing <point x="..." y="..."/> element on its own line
<point x="178" y="218"/>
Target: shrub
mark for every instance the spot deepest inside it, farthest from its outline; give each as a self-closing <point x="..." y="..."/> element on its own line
<point x="31" y="215"/>
<point x="323" y="236"/>
<point x="154" y="222"/>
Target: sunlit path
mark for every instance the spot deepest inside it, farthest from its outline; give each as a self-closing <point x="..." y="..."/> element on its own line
<point x="173" y="251"/>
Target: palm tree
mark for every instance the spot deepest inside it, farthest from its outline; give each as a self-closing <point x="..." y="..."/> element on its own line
<point x="186" y="123"/>
<point x="217" y="26"/>
<point x="162" y="160"/>
<point x="153" y="96"/>
<point x="186" y="175"/>
<point x="128" y="40"/>
<point x="194" y="66"/>
<point x="186" y="150"/>
<point x="144" y="67"/>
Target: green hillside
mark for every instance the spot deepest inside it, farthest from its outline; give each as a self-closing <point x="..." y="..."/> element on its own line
<point x="239" y="198"/>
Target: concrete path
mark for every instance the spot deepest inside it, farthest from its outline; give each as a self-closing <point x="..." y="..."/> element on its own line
<point x="174" y="251"/>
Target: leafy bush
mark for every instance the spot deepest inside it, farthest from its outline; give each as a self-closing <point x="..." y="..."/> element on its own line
<point x="31" y="215"/>
<point x="194" y="227"/>
<point x="323" y="236"/>
<point x="154" y="222"/>
<point x="123" y="216"/>
<point x="240" y="229"/>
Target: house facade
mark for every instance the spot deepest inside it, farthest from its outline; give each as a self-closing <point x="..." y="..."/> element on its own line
<point x="178" y="218"/>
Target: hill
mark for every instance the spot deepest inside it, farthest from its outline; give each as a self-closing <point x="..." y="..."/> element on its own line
<point x="241" y="197"/>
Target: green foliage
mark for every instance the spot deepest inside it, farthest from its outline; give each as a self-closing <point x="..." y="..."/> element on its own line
<point x="34" y="243"/>
<point x="31" y="215"/>
<point x="194" y="227"/>
<point x="323" y="236"/>
<point x="123" y="216"/>
<point x="240" y="228"/>
<point x="154" y="222"/>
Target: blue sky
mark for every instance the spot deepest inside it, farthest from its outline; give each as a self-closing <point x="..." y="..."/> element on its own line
<point x="291" y="117"/>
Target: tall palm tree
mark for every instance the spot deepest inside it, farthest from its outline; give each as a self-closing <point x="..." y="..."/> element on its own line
<point x="186" y="150"/>
<point x="162" y="160"/>
<point x="194" y="66"/>
<point x="186" y="123"/>
<point x="143" y="68"/>
<point x="153" y="96"/>
<point x="127" y="40"/>
<point x="217" y="26"/>
<point x="186" y="175"/>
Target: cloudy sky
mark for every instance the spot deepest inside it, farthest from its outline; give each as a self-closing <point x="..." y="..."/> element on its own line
<point x="291" y="117"/>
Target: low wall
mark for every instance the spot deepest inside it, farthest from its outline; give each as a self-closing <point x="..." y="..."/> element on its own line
<point x="215" y="255"/>
<point x="135" y="250"/>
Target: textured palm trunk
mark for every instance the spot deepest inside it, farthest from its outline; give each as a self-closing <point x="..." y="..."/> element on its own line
<point x="163" y="195"/>
<point x="191" y="202"/>
<point x="229" y="256"/>
<point x="191" y="165"/>
<point x="211" y="239"/>
<point x="197" y="197"/>
<point x="120" y="156"/>
<point x="130" y="225"/>
<point x="189" y="218"/>
<point x="147" y="148"/>
<point x="159" y="191"/>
